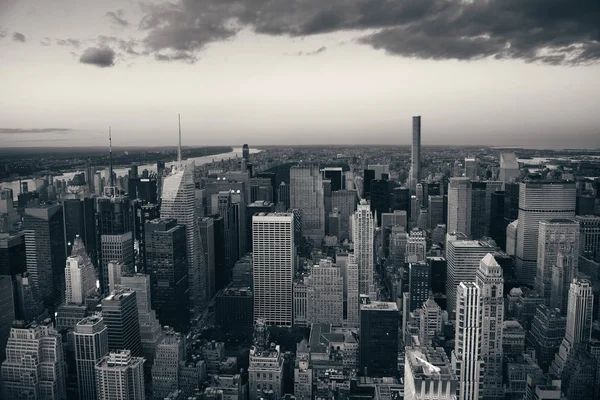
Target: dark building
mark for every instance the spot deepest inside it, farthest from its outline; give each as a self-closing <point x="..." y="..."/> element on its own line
<point x="222" y="277"/>
<point x="401" y="199"/>
<point x="435" y="210"/>
<point x="378" y="346"/>
<point x="381" y="196"/>
<point x="242" y="273"/>
<point x="166" y="263"/>
<point x="511" y="202"/>
<point x="273" y="179"/>
<point x="261" y="189"/>
<point x="419" y="283"/>
<point x="45" y="249"/>
<point x="80" y="219"/>
<point x="547" y="332"/>
<point x="368" y="177"/>
<point x="283" y="195"/>
<point x="28" y="303"/>
<point x="12" y="254"/>
<point x="497" y="221"/>
<point x="579" y="375"/>
<point x="246" y="152"/>
<point x="145" y="189"/>
<point x="7" y="312"/>
<point x="336" y="176"/>
<point x="508" y="269"/>
<point x="230" y="236"/>
<point x="478" y="219"/>
<point x="234" y="309"/>
<point x="437" y="267"/>
<point x="431" y="189"/>
<point x="207" y="234"/>
<point x="120" y="314"/>
<point x="143" y="214"/>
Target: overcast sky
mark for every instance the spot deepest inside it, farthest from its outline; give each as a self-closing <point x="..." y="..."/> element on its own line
<point x="498" y="72"/>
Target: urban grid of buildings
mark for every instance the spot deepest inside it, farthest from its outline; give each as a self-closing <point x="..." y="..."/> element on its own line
<point x="298" y="274"/>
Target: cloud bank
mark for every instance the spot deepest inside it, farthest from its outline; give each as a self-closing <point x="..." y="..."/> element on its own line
<point x="99" y="56"/>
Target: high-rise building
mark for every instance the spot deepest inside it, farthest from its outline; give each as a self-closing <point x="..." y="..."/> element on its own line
<point x="46" y="251"/>
<point x="416" y="246"/>
<point x="143" y="188"/>
<point x="466" y="357"/>
<point x="463" y="258"/>
<point x="497" y="222"/>
<point x="273" y="260"/>
<point x="557" y="237"/>
<point x="143" y="214"/>
<point x="114" y="232"/>
<point x="509" y="167"/>
<point x="13" y="259"/>
<point x="266" y="372"/>
<point x="325" y="294"/>
<point x="28" y="302"/>
<point x="539" y="201"/>
<point x="579" y="376"/>
<point x="207" y="233"/>
<point x="79" y="220"/>
<point x="490" y="281"/>
<point x="352" y="293"/>
<point x="419" y="287"/>
<point x="435" y="212"/>
<point x="428" y="375"/>
<point x="178" y="202"/>
<point x="345" y="201"/>
<point x="283" y="195"/>
<point x="546" y="334"/>
<point x="459" y="206"/>
<point x="381" y="196"/>
<point x="246" y="152"/>
<point x="166" y="263"/>
<point x="80" y="276"/>
<point x="120" y="376"/>
<point x="430" y="322"/>
<point x="478" y="210"/>
<point x="306" y="194"/>
<point x="34" y="367"/>
<point x="471" y="167"/>
<point x="513" y="338"/>
<point x="234" y="308"/>
<point x="170" y="352"/>
<point x="363" y="232"/>
<point x="415" y="159"/>
<point x="589" y="238"/>
<point x="120" y="314"/>
<point x="579" y="322"/>
<point x="91" y="345"/>
<point x="7" y="312"/>
<point x="378" y="346"/>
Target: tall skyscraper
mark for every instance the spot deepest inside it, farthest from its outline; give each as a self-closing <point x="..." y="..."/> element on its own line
<point x="345" y="201"/>
<point x="283" y="196"/>
<point x="34" y="367"/>
<point x="273" y="267"/>
<point x="378" y="346"/>
<point x="478" y="210"/>
<point x="246" y="152"/>
<point x="435" y="213"/>
<point x="363" y="232"/>
<point x="207" y="233"/>
<point x="419" y="284"/>
<point x="509" y="167"/>
<point x="178" y="202"/>
<point x="91" y="345"/>
<point x="428" y="375"/>
<point x="539" y="201"/>
<point x="325" y="294"/>
<point x="415" y="164"/>
<point x="557" y="237"/>
<point x="79" y="220"/>
<point x="7" y="311"/>
<point x="306" y="194"/>
<point x="491" y="283"/>
<point x="120" y="314"/>
<point x="466" y="358"/>
<point x="546" y="334"/>
<point x="579" y="322"/>
<point x="166" y="263"/>
<point x="46" y="251"/>
<point x="352" y="293"/>
<point x="13" y="258"/>
<point x="471" y="167"/>
<point x="120" y="376"/>
<point x="80" y="276"/>
<point x="459" y="206"/>
<point x="170" y="352"/>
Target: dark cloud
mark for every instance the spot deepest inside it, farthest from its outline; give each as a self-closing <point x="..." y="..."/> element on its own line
<point x="118" y="18"/>
<point x="69" y="42"/>
<point x="547" y="31"/>
<point x="10" y="131"/>
<point x="99" y="56"/>
<point x="19" y="37"/>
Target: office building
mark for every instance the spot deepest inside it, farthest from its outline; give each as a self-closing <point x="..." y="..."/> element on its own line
<point x="242" y="273"/>
<point x="430" y="322"/>
<point x="378" y="346"/>
<point x="34" y="367"/>
<point x="478" y="210"/>
<point x="415" y="159"/>
<point x="273" y="261"/>
<point x="437" y="268"/>
<point x="46" y="251"/>
<point x="345" y="201"/>
<point x="466" y="357"/>
<point x="234" y="308"/>
<point x="381" y="196"/>
<point x="303" y="377"/>
<point x="120" y="376"/>
<point x="490" y="281"/>
<point x="363" y="231"/>
<point x="325" y="297"/>
<point x="170" y="352"/>
<point x="351" y="292"/>
<point x="91" y="345"/>
<point x="7" y="312"/>
<point x="435" y="211"/>
<point x="207" y="233"/>
<point x="166" y="263"/>
<point x="557" y="237"/>
<point x="546" y="334"/>
<point x="497" y="222"/>
<point x="471" y="167"/>
<point x="579" y="322"/>
<point x="28" y="303"/>
<point x="419" y="278"/>
<point x="143" y="214"/>
<point x="283" y="196"/>
<point x="579" y="376"/>
<point x="397" y="217"/>
<point x="120" y="314"/>
<point x="79" y="220"/>
<point x="178" y="202"/>
<point x="306" y="194"/>
<point x="80" y="276"/>
<point x="252" y="209"/>
<point x="589" y="238"/>
<point x="398" y="239"/>
<point x="513" y="339"/>
<point x="428" y="375"/>
<point x="13" y="258"/>
<point x="463" y="258"/>
<point x="539" y="201"/>
<point x="416" y="246"/>
<point x="509" y="167"/>
<point x="336" y="176"/>
<point x="143" y="188"/>
<point x="459" y="206"/>
<point x="265" y="373"/>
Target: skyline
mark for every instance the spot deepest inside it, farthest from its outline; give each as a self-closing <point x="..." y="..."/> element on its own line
<point x="259" y="72"/>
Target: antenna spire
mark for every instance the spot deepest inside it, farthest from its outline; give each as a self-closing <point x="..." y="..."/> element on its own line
<point x="110" y="164"/>
<point x="179" y="147"/>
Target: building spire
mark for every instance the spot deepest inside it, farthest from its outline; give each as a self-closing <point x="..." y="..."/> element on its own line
<point x="110" y="164"/>
<point x="179" y="147"/>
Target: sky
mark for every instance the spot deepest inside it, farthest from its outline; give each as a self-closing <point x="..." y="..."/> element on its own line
<point x="489" y="72"/>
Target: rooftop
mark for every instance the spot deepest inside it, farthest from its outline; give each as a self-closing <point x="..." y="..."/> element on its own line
<point x="380" y="305"/>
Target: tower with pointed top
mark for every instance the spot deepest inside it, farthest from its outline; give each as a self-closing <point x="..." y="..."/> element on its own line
<point x="179" y="202"/>
<point x="80" y="276"/>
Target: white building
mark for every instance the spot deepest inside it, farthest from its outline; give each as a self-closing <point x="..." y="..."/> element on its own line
<point x="265" y="373"/>
<point x="325" y="294"/>
<point x="170" y="352"/>
<point x="416" y="246"/>
<point x="430" y="322"/>
<point x="353" y="308"/>
<point x="273" y="260"/>
<point x="119" y="376"/>
<point x="459" y="206"/>
<point x="363" y="236"/>
<point x="80" y="277"/>
<point x="509" y="167"/>
<point x="428" y="375"/>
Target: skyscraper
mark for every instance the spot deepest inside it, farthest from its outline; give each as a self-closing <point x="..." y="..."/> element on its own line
<point x="557" y="237"/>
<point x="91" y="345"/>
<point x="509" y="167"/>
<point x="546" y="334"/>
<point x="352" y="293"/>
<point x="466" y="357"/>
<point x="415" y="165"/>
<point x="273" y="267"/>
<point x="430" y="322"/>
<point x="478" y="210"/>
<point x="416" y="246"/>
<point x="166" y="263"/>
<point x="491" y="283"/>
<point x="378" y="346"/>
<point x="165" y="371"/>
<point x="539" y="201"/>
<point x="207" y="233"/>
<point x="435" y="206"/>
<point x="246" y="152"/>
<point x="325" y="294"/>
<point x="363" y="235"/>
<point x="80" y="276"/>
<point x="345" y="201"/>
<point x="120" y="376"/>
<point x="459" y="206"/>
<point x="419" y="278"/>
<point x="7" y="312"/>
<point x="120" y="314"/>
<point x="589" y="239"/>
<point x="34" y="367"/>
<point x="306" y="194"/>
<point x="79" y="220"/>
